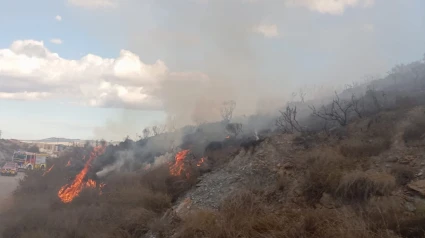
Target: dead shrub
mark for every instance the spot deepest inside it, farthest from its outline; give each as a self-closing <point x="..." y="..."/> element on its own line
<point x="416" y="130"/>
<point x="403" y="174"/>
<point x="357" y="148"/>
<point x="248" y="215"/>
<point x="359" y="186"/>
<point x="282" y="181"/>
<point x="324" y="171"/>
<point x="201" y="223"/>
<point x="413" y="227"/>
<point x="404" y="102"/>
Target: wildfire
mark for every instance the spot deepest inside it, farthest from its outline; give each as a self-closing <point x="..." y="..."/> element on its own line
<point x="90" y="184"/>
<point x="68" y="164"/>
<point x="227" y="137"/>
<point x="101" y="186"/>
<point x="177" y="168"/>
<point x="48" y="171"/>
<point x="68" y="192"/>
<point x="200" y="162"/>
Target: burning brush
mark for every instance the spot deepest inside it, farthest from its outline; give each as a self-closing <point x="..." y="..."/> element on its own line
<point x="68" y="192"/>
<point x="178" y="167"/>
<point x="48" y="171"/>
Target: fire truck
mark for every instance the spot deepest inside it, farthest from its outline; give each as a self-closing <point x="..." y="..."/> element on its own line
<point x="29" y="161"/>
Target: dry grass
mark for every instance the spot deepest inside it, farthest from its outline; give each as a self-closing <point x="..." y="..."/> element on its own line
<point x="357" y="148"/>
<point x="248" y="215"/>
<point x="129" y="203"/>
<point x="415" y="131"/>
<point x="359" y="186"/>
<point x="403" y="174"/>
<point x="324" y="171"/>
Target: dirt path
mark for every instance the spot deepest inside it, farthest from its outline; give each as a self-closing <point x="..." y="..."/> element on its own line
<point x="7" y="186"/>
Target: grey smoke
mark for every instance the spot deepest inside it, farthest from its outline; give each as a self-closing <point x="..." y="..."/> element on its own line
<point x="122" y="158"/>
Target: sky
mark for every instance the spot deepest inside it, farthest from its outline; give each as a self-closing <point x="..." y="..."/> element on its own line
<point x="92" y="69"/>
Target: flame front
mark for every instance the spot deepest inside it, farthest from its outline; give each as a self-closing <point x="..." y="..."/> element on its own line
<point x="90" y="183"/>
<point x="68" y="164"/>
<point x="68" y="193"/>
<point x="48" y="171"/>
<point x="101" y="186"/>
<point x="177" y="168"/>
<point x="200" y="162"/>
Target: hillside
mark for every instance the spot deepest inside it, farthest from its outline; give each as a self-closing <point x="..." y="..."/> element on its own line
<point x="352" y="167"/>
<point x="7" y="147"/>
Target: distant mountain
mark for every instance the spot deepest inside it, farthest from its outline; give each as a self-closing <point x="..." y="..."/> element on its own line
<point x="58" y="139"/>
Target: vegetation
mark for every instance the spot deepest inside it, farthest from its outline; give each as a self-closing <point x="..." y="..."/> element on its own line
<point x="332" y="170"/>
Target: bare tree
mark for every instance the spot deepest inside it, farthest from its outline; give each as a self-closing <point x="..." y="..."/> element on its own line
<point x="373" y="94"/>
<point x="339" y="111"/>
<point x="234" y="128"/>
<point x="302" y="94"/>
<point x="351" y="85"/>
<point x="358" y="105"/>
<point x="227" y="109"/>
<point x="156" y="130"/>
<point x="146" y="132"/>
<point x="293" y="95"/>
<point x="287" y="121"/>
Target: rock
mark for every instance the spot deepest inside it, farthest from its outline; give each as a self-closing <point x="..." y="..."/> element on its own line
<point x="418" y="186"/>
<point x="392" y="159"/>
<point x="288" y="165"/>
<point x="409" y="206"/>
<point x="406" y="160"/>
<point x="184" y="208"/>
<point x="420" y="173"/>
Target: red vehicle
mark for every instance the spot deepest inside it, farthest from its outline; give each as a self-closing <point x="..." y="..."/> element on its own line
<point x="10" y="168"/>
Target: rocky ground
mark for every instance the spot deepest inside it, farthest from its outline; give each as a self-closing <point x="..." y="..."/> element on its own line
<point x="252" y="168"/>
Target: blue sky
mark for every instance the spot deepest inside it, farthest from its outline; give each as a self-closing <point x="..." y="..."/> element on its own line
<point x="80" y="98"/>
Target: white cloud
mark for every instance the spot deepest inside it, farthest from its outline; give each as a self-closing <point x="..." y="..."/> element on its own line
<point x="267" y="30"/>
<point x="29" y="71"/>
<point x="58" y="18"/>
<point x="92" y="4"/>
<point x="334" y="7"/>
<point x="56" y="41"/>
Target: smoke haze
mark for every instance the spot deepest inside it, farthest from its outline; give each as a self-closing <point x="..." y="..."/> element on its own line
<point x="256" y="51"/>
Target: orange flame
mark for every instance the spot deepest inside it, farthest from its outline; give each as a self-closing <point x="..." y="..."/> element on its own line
<point x="178" y="166"/>
<point x="90" y="183"/>
<point x="200" y="162"/>
<point x="227" y="137"/>
<point x="48" y="171"/>
<point x="68" y="192"/>
<point x="101" y="186"/>
<point x="68" y="164"/>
